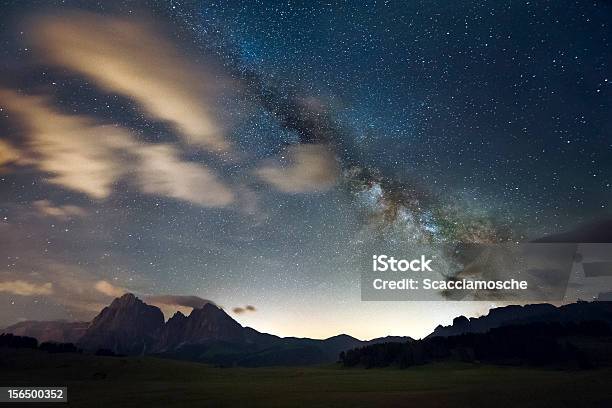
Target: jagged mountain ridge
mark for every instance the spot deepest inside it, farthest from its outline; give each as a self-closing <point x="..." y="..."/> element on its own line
<point x="205" y="326"/>
<point x="126" y="326"/>
<point x="534" y="313"/>
<point x="131" y="327"/>
<point x="208" y="334"/>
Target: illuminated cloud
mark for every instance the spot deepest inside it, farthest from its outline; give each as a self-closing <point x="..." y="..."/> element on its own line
<point x="70" y="290"/>
<point x="23" y="288"/>
<point x="170" y="304"/>
<point x="64" y="212"/>
<point x="108" y="289"/>
<point x="82" y="156"/>
<point x="8" y="154"/>
<point x="163" y="173"/>
<point x="77" y="153"/>
<point x="312" y="168"/>
<point x="131" y="58"/>
<point x="194" y="302"/>
<point x="241" y="310"/>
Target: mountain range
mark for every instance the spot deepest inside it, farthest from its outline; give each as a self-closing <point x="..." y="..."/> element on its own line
<point x="128" y="326"/>
<point x="131" y="327"/>
<point x="576" y="336"/>
<point x="534" y="313"/>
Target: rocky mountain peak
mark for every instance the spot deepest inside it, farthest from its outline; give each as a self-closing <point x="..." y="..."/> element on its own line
<point x="126" y="326"/>
<point x="126" y="300"/>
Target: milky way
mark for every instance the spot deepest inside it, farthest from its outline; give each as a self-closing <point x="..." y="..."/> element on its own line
<point x="257" y="153"/>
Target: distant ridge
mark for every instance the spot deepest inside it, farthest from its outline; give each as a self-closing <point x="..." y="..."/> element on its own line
<point x="58" y="331"/>
<point x="129" y="326"/>
<point x="535" y="313"/>
<point x="577" y="335"/>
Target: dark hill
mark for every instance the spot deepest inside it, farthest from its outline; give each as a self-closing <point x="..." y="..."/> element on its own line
<point x="574" y="335"/>
<point x="58" y="331"/>
<point x="512" y="315"/>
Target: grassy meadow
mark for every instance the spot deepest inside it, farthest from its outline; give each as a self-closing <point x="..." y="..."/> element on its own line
<point x="150" y="382"/>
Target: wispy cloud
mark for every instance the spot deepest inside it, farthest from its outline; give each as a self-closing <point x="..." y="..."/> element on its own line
<point x="23" y="288"/>
<point x="162" y="172"/>
<point x="241" y="310"/>
<point x="132" y="58"/>
<point x="108" y="289"/>
<point x="310" y="168"/>
<point x="72" y="290"/>
<point x="81" y="155"/>
<point x="76" y="152"/>
<point x="64" y="212"/>
<point x="170" y="304"/>
<point x="8" y="154"/>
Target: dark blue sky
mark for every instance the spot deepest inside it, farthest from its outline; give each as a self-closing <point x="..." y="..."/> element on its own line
<point x="251" y="152"/>
<point x="509" y="101"/>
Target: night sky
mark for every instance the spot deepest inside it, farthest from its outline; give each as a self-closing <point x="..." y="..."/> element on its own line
<point x="258" y="153"/>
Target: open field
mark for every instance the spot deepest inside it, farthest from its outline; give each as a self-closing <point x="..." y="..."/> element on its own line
<point x="149" y="382"/>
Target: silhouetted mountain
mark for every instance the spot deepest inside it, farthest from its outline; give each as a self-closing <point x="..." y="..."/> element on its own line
<point x="127" y="326"/>
<point x="390" y="339"/>
<point x="579" y="335"/>
<point x="203" y="324"/>
<point x="208" y="334"/>
<point x="276" y="351"/>
<point x="59" y="331"/>
<point x="512" y="315"/>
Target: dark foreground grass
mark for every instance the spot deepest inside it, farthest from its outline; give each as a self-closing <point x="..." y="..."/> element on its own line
<point x="149" y="382"/>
